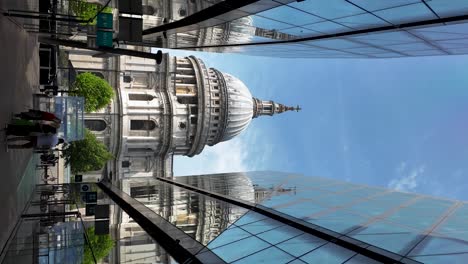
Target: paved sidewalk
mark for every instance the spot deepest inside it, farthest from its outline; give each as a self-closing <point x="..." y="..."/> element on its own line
<point x="19" y="73"/>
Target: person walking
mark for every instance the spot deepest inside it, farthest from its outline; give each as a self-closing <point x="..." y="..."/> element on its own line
<point x="44" y="141"/>
<point x="39" y="115"/>
<point x="22" y="127"/>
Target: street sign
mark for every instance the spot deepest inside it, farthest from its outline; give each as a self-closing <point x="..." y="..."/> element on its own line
<point x="90" y="209"/>
<point x="78" y="178"/>
<point x="131" y="29"/>
<point x="105" y="34"/>
<point x="105" y="21"/>
<point x="104" y="38"/>
<point x="91" y="197"/>
<point x="101" y="227"/>
<point x="85" y="188"/>
<point x="102" y="211"/>
<point x="134" y="7"/>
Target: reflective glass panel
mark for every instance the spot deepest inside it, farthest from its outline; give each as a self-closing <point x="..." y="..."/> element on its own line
<point x="280" y="234"/>
<point x="329" y="9"/>
<point x="329" y="253"/>
<point x="289" y="15"/>
<point x="448" y="9"/>
<point x="269" y="255"/>
<point x="240" y="249"/>
<point x="406" y="13"/>
<point x="373" y="5"/>
<point x="300" y="245"/>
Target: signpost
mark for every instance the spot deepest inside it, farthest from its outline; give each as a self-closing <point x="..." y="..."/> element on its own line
<point x="78" y="178"/>
<point x="91" y="197"/>
<point x="131" y="25"/>
<point x="104" y="34"/>
<point x="90" y="209"/>
<point x="85" y="188"/>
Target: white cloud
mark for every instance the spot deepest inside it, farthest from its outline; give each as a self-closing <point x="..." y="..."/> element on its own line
<point x="401" y="168"/>
<point x="406" y="180"/>
<point x="238" y="154"/>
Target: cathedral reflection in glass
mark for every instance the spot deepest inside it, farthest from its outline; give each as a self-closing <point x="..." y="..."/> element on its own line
<point x="247" y="217"/>
<point x="317" y="29"/>
<point x="407" y="227"/>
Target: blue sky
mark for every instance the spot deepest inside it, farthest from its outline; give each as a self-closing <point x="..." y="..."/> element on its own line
<point x="397" y="123"/>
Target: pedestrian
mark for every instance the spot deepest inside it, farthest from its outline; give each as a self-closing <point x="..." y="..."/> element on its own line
<point x="22" y="127"/>
<point x="33" y="114"/>
<point x="45" y="141"/>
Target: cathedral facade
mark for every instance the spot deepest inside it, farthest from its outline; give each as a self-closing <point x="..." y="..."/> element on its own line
<point x="178" y="107"/>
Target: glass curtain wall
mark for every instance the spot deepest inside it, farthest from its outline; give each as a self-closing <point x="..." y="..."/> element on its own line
<point x="419" y="227"/>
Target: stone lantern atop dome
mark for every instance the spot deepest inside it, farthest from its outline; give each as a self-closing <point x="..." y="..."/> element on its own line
<point x="271" y="108"/>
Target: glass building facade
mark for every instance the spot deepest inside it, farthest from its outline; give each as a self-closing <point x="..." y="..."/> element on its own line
<point x="281" y="28"/>
<point x="317" y="29"/>
<point x="64" y="224"/>
<point x="411" y="226"/>
<point x="251" y="217"/>
<point x="405" y="227"/>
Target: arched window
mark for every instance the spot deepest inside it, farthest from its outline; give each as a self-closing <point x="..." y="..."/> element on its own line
<point x="98" y="74"/>
<point x="140" y="97"/>
<point x="126" y="164"/>
<point x="182" y="12"/>
<point x="142" y="125"/>
<point x="127" y="79"/>
<point x="148" y="10"/>
<point x="95" y="125"/>
<point x="187" y="99"/>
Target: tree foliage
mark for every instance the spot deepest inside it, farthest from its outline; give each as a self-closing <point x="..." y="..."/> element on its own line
<point x="86" y="11"/>
<point x="85" y="155"/>
<point x="101" y="245"/>
<point x="96" y="91"/>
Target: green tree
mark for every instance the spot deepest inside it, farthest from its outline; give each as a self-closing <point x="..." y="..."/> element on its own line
<point x="85" y="155"/>
<point x="86" y="11"/>
<point x="101" y="244"/>
<point x="96" y="91"/>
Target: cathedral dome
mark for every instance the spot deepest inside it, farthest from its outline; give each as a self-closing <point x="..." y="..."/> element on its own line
<point x="239" y="107"/>
<point x="219" y="105"/>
